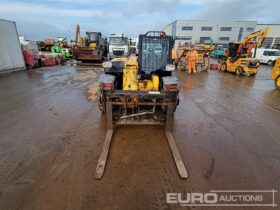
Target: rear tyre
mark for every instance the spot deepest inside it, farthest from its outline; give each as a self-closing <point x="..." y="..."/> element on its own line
<point x="239" y="71"/>
<point x="277" y="83"/>
<point x="270" y="63"/>
<point x="223" y="67"/>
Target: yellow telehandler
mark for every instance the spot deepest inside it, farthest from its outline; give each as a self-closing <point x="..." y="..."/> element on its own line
<point x="141" y="91"/>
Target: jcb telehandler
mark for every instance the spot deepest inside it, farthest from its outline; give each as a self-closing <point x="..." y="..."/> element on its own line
<point x="141" y="91"/>
<point x="239" y="54"/>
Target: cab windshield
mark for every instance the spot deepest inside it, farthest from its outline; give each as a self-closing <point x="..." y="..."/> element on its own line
<point x="272" y="53"/>
<point x="119" y="40"/>
<point x="93" y="37"/>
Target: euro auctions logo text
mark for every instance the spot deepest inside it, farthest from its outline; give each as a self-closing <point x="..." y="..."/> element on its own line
<point x="224" y="198"/>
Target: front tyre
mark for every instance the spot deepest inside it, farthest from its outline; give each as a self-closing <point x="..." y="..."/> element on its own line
<point x="270" y="63"/>
<point x="223" y="67"/>
<point x="239" y="71"/>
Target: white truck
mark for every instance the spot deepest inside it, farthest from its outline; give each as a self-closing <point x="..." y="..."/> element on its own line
<point x="267" y="56"/>
<point x="118" y="46"/>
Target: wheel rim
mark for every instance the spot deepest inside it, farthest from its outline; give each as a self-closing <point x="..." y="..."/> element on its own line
<point x="223" y="67"/>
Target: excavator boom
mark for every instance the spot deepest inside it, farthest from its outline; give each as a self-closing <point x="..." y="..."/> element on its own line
<point x="258" y="35"/>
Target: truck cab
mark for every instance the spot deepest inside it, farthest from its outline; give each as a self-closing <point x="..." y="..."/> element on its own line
<point x="118" y="46"/>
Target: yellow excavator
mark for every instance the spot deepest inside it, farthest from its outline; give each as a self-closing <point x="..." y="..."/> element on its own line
<point x="141" y="91"/>
<point x="240" y="59"/>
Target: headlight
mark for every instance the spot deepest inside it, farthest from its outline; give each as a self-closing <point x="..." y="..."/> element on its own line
<point x="107" y="64"/>
<point x="170" y="67"/>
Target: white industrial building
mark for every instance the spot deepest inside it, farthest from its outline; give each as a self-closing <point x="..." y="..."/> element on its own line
<point x="273" y="37"/>
<point x="218" y="32"/>
<point x="206" y="31"/>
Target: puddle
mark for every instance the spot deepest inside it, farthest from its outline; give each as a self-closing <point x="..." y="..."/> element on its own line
<point x="92" y="92"/>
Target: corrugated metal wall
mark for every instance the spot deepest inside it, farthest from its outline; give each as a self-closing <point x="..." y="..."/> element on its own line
<point x="11" y="58"/>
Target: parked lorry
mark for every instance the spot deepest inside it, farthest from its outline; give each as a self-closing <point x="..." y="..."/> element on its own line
<point x="118" y="46"/>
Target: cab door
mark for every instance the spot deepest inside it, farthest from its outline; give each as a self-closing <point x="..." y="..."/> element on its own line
<point x="264" y="57"/>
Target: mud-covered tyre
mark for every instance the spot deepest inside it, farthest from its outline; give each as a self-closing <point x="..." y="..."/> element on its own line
<point x="239" y="71"/>
<point x="223" y="67"/>
<point x="277" y="83"/>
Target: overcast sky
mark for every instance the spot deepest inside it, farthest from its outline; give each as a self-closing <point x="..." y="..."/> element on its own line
<point x="40" y="19"/>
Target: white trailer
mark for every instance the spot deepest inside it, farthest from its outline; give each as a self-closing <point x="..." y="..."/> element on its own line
<point x="11" y="57"/>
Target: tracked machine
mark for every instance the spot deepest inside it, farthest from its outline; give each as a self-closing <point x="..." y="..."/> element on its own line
<point x="141" y="91"/>
<point x="90" y="49"/>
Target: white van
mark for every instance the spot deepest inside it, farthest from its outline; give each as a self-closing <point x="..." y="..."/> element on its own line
<point x="267" y="56"/>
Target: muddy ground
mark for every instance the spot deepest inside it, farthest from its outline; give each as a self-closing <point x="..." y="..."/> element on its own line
<point x="226" y="127"/>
